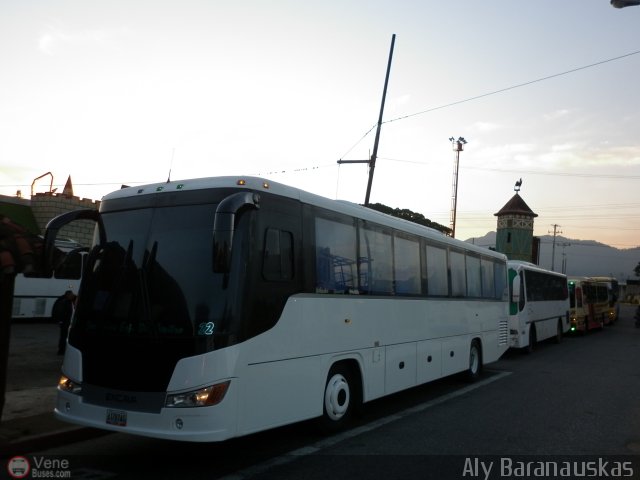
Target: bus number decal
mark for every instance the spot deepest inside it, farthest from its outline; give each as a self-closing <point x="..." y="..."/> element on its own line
<point x="205" y="328"/>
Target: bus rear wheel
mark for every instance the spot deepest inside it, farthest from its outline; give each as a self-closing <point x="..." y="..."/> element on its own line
<point x="475" y="362"/>
<point x="339" y="400"/>
<point x="558" y="337"/>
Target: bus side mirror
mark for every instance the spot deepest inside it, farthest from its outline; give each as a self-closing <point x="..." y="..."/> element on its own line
<point x="515" y="289"/>
<point x="224" y="225"/>
<point x="52" y="256"/>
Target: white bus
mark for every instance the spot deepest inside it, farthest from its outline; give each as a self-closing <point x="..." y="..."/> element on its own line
<point x="34" y="295"/>
<point x="539" y="305"/>
<point x="214" y="308"/>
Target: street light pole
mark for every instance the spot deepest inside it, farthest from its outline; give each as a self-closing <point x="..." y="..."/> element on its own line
<point x="457" y="147"/>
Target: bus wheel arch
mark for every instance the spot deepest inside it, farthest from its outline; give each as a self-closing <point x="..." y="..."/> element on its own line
<point x="342" y="395"/>
<point x="475" y="361"/>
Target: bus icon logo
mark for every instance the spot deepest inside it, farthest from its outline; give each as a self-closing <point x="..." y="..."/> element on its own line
<point x="18" y="467"/>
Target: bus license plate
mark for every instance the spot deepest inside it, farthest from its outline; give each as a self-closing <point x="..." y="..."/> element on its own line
<point x="117" y="417"/>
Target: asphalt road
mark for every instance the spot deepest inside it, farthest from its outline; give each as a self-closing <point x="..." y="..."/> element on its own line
<point x="577" y="398"/>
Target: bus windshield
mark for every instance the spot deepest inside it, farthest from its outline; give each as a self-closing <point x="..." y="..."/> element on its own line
<point x="151" y="290"/>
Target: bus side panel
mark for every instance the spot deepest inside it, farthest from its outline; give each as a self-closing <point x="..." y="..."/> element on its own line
<point x="400" y="367"/>
<point x="429" y="361"/>
<point x="278" y="393"/>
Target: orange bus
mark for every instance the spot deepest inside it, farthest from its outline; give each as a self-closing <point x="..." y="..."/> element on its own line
<point x="588" y="304"/>
<point x="613" y="309"/>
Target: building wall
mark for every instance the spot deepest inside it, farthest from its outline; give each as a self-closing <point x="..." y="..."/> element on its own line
<point x="514" y="237"/>
<point x="46" y="206"/>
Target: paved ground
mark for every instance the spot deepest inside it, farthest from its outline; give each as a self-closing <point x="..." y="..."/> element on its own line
<point x="33" y="370"/>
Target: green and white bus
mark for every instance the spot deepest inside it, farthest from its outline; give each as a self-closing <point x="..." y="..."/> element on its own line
<point x="539" y="305"/>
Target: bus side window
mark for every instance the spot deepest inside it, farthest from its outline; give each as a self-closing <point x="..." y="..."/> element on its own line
<point x="71" y="268"/>
<point x="522" y="299"/>
<point x="336" y="258"/>
<point x="474" y="277"/>
<point x="458" y="277"/>
<point x="437" y="282"/>
<point x="376" y="265"/>
<point x="406" y="252"/>
<point x="278" y="255"/>
<point x="578" y="297"/>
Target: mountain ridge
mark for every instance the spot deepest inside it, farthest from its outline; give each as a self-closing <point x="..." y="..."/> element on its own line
<point x="579" y="257"/>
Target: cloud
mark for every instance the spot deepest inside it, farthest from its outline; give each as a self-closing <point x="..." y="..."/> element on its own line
<point x="485" y="127"/>
<point x="557" y="114"/>
<point x="55" y="40"/>
<point x="50" y="41"/>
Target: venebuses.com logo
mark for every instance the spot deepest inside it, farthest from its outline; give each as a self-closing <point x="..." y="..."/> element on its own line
<point x="18" y="467"/>
<point x="38" y="467"/>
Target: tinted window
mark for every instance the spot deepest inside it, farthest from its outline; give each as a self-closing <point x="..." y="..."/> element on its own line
<point x="407" y="265"/>
<point x="376" y="256"/>
<point x="488" y="283"/>
<point x="336" y="258"/>
<point x="458" y="283"/>
<point x="437" y="271"/>
<point x="474" y="277"/>
<point x="278" y="255"/>
<point x="71" y="268"/>
<point x="500" y="282"/>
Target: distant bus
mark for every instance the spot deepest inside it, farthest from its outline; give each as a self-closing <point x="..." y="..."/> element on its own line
<point x="613" y="292"/>
<point x="539" y="305"/>
<point x="34" y="295"/>
<point x="214" y="308"/>
<point x="589" y="304"/>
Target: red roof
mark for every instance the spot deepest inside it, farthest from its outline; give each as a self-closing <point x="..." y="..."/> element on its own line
<point x="516" y="206"/>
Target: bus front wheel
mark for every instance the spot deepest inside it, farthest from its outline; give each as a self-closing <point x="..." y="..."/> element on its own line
<point x="532" y="339"/>
<point x="339" y="399"/>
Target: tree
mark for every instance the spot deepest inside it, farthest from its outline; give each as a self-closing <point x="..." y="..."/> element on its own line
<point x="637" y="270"/>
<point x="407" y="214"/>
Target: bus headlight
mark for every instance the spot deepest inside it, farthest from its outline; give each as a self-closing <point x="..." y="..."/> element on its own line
<point x="203" y="397"/>
<point x="67" y="385"/>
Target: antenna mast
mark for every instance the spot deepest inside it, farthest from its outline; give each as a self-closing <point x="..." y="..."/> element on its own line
<point x="173" y="152"/>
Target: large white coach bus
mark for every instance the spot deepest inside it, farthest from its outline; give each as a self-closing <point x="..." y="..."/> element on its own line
<point x="35" y="294"/>
<point x="218" y="307"/>
<point x="539" y="305"/>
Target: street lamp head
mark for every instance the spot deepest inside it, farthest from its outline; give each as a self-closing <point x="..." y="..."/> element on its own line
<point x="451" y="139"/>
<point x="462" y="140"/>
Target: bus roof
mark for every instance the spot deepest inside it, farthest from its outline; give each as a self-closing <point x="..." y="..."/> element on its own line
<point x="263" y="185"/>
<point x="522" y="265"/>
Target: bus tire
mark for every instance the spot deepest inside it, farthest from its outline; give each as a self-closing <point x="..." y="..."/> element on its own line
<point x="340" y="399"/>
<point x="532" y="339"/>
<point x="558" y="337"/>
<point x="475" y="362"/>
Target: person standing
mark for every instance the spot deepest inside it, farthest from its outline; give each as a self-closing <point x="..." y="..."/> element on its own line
<point x="61" y="312"/>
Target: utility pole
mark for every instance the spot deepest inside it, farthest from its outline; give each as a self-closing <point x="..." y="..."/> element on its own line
<point x="374" y="155"/>
<point x="457" y="147"/>
<point x="564" y="257"/>
<point x="553" y="248"/>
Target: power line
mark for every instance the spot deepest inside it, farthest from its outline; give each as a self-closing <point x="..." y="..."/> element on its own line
<point x="513" y="87"/>
<point x="560" y="174"/>
<point x="494" y="92"/>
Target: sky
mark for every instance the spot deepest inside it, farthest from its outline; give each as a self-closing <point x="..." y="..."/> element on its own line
<point x="130" y="92"/>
